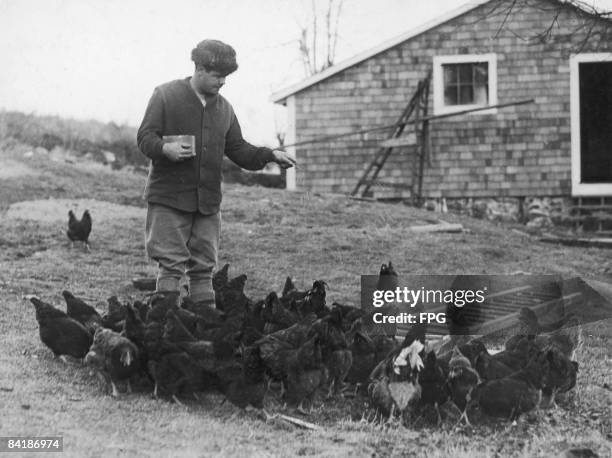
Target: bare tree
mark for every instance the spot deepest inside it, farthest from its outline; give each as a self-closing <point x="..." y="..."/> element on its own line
<point x="318" y="47"/>
<point x="594" y="26"/>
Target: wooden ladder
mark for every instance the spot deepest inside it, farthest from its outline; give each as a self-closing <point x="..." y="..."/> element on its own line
<point x="413" y="114"/>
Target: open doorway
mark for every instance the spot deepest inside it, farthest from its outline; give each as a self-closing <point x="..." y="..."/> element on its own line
<point x="591" y="84"/>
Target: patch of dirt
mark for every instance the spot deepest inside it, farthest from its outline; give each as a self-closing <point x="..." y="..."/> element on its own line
<point x="51" y="210"/>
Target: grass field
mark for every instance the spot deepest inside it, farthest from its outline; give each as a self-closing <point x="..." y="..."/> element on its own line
<point x="267" y="234"/>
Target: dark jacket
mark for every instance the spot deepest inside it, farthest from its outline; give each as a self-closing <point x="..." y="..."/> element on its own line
<point x="193" y="184"/>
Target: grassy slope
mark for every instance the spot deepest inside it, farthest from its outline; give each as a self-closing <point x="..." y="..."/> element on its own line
<point x="267" y="234"/>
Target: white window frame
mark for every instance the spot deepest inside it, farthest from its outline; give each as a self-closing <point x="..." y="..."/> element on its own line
<point x="579" y="188"/>
<point x="438" y="82"/>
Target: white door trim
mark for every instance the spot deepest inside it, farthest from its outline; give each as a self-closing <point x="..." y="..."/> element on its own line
<point x="578" y="188"/>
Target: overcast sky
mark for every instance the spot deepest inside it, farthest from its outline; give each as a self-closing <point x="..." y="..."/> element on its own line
<point x="101" y="59"/>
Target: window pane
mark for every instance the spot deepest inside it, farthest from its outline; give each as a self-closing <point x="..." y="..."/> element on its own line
<point x="450" y="74"/>
<point x="481" y="72"/>
<point x="481" y="94"/>
<point x="450" y="95"/>
<point x="465" y="73"/>
<point x="466" y="95"/>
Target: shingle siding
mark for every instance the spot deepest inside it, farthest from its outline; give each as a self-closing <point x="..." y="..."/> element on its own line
<point x="520" y="150"/>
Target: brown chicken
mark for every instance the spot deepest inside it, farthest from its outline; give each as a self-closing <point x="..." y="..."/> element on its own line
<point x="79" y="229"/>
<point x="115" y="356"/>
<point x="60" y="333"/>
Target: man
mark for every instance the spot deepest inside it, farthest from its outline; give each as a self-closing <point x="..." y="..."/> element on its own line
<point x="183" y="189"/>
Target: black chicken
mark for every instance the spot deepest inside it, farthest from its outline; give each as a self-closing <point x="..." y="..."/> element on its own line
<point x="115" y="356"/>
<point x="305" y="373"/>
<point x="433" y="381"/>
<point x="79" y="229"/>
<point x="462" y="379"/>
<point x="337" y="357"/>
<point x="511" y="396"/>
<point x="249" y="388"/>
<point x="115" y="316"/>
<point x="62" y="334"/>
<point x="82" y="312"/>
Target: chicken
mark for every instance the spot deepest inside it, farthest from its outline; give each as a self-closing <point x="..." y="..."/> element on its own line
<point x="562" y="374"/>
<point x="397" y="375"/>
<point x="291" y="293"/>
<point x="350" y="314"/>
<point x="249" y="388"/>
<point x="314" y="301"/>
<point x="115" y="356"/>
<point x="277" y="316"/>
<point x="176" y="373"/>
<point x="305" y="372"/>
<point x="433" y="382"/>
<point x="462" y="379"/>
<point x="276" y="349"/>
<point x="219" y="279"/>
<point x="203" y="316"/>
<point x="115" y="316"/>
<point x="529" y="326"/>
<point x="174" y="329"/>
<point x="511" y="396"/>
<point x="79" y="229"/>
<point x="82" y="312"/>
<point x="491" y="368"/>
<point x="363" y="351"/>
<point x="568" y="339"/>
<point x="231" y="298"/>
<point x="387" y="281"/>
<point x="60" y="333"/>
<point x="160" y="303"/>
<point x="337" y="357"/>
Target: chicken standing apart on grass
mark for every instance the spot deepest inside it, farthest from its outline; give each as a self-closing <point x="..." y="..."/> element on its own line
<point x="79" y="229"/>
<point x="116" y="356"/>
<point x="62" y="334"/>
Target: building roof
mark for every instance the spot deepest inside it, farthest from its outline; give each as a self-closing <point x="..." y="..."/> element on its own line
<point x="281" y="95"/>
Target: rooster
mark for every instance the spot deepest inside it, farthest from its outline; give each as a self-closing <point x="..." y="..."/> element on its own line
<point x="60" y="333"/>
<point x="115" y="356"/>
<point x="79" y="229"/>
<point x="394" y="381"/>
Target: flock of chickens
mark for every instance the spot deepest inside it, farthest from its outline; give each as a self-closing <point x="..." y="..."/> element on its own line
<point x="242" y="347"/>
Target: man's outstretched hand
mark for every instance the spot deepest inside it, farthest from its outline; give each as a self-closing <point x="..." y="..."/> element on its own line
<point x="283" y="159"/>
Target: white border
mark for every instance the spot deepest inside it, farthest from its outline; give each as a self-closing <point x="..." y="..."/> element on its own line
<point x="438" y="82"/>
<point x="578" y="188"/>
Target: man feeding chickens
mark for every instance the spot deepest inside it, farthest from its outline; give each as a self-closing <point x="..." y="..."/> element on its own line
<point x="183" y="190"/>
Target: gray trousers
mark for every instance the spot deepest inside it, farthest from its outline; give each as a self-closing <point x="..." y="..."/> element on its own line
<point x="183" y="243"/>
